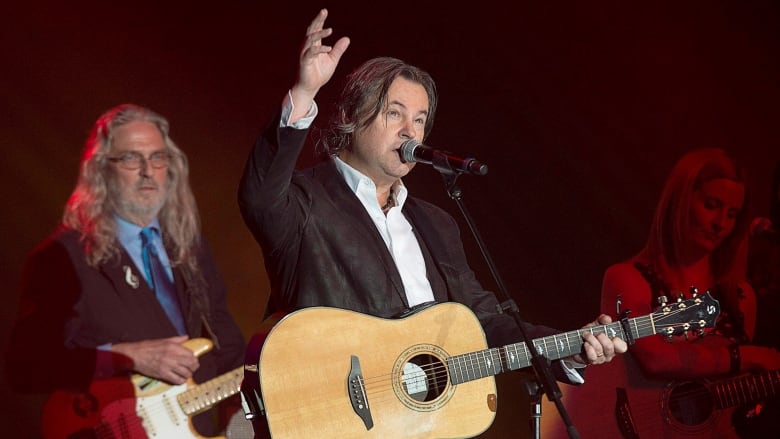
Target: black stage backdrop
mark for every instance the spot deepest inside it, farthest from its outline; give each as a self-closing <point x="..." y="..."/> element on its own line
<point x="579" y="109"/>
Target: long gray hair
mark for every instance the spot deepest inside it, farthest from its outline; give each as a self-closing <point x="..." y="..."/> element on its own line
<point x="90" y="209"/>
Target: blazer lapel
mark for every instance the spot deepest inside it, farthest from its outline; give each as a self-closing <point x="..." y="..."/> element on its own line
<point x="351" y="206"/>
<point x="192" y="317"/>
<point x="125" y="276"/>
<point x="128" y="280"/>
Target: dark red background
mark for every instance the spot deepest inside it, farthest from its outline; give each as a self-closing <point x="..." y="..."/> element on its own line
<point x="579" y="108"/>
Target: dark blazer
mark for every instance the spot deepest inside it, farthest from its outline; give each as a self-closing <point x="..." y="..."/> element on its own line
<point x="321" y="248"/>
<point x="69" y="308"/>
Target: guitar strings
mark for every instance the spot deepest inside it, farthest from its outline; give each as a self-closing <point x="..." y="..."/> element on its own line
<point x="437" y="374"/>
<point x="438" y="371"/>
<point x="120" y="418"/>
<point x="697" y="408"/>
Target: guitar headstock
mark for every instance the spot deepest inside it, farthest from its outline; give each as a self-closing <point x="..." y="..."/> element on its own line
<point x="694" y="314"/>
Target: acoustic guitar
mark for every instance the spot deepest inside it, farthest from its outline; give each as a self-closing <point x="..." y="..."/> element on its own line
<point x="332" y="373"/>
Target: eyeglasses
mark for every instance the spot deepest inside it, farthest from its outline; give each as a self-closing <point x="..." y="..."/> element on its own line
<point x="133" y="160"/>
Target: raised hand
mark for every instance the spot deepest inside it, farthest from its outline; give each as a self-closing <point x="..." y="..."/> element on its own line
<point x="317" y="62"/>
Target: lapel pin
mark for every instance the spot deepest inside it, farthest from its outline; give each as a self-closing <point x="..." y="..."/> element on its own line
<point x="130" y="278"/>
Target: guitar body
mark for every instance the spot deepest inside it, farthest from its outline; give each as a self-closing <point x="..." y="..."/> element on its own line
<point x="134" y="408"/>
<point x="617" y="401"/>
<point x="330" y="373"/>
<point x="320" y="367"/>
<point x="71" y="414"/>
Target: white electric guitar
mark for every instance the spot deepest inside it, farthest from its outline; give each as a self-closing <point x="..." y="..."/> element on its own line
<point x="139" y="407"/>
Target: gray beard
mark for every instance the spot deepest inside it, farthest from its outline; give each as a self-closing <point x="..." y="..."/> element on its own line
<point x="130" y="210"/>
<point x="127" y="208"/>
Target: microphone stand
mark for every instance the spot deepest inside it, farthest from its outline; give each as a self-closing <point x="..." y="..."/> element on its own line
<point x="540" y="363"/>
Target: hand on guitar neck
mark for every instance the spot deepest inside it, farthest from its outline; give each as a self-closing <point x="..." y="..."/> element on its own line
<point x="431" y="376"/>
<point x="167" y="359"/>
<point x="138" y="406"/>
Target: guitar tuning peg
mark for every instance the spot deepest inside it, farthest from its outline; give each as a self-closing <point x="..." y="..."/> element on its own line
<point x="694" y="291"/>
<point x="662" y="300"/>
<point x="680" y="297"/>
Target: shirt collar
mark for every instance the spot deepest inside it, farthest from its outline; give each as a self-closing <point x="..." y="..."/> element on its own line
<point x="128" y="232"/>
<point x="356" y="179"/>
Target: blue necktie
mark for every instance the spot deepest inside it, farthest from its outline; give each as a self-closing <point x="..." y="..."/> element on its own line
<point x="163" y="287"/>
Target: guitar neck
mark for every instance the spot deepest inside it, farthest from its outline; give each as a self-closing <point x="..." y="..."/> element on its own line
<point x="696" y="313"/>
<point x="746" y="389"/>
<point x="515" y="356"/>
<point x="206" y="395"/>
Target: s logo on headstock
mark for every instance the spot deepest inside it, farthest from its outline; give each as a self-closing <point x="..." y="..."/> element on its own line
<point x="694" y="314"/>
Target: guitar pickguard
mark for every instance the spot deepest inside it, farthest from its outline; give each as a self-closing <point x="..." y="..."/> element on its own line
<point x="136" y="406"/>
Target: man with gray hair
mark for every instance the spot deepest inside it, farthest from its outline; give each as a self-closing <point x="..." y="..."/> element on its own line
<point x="126" y="283"/>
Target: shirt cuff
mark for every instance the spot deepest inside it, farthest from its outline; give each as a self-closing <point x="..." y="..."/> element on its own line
<point x="287" y="109"/>
<point x="104" y="362"/>
<point x="570" y="367"/>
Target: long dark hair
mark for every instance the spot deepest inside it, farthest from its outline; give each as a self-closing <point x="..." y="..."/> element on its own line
<point x="365" y="95"/>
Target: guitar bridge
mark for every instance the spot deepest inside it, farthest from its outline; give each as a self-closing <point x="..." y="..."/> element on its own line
<point x="357" y="393"/>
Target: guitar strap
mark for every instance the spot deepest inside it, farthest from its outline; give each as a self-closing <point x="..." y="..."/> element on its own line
<point x="200" y="310"/>
<point x="251" y="399"/>
<point x="252" y="403"/>
<point x="623" y="416"/>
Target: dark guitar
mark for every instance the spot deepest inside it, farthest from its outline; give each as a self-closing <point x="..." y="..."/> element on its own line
<point x="332" y="373"/>
<point x="616" y="406"/>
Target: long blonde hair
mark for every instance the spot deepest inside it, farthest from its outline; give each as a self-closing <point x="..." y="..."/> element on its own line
<point x="671" y="223"/>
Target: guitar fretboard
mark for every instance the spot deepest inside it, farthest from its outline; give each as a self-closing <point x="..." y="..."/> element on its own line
<point x="207" y="394"/>
<point x="476" y="365"/>
<point x="676" y="318"/>
<point x="746" y="389"/>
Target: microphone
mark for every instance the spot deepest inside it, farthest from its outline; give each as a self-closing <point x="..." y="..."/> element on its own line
<point x="414" y="151"/>
<point x="762" y="226"/>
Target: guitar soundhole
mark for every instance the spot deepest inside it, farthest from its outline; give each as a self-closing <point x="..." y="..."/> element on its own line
<point x="421" y="379"/>
<point x="424" y="378"/>
<point x="690" y="404"/>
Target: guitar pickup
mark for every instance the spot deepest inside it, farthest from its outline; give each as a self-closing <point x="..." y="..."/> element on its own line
<point x="356" y="390"/>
